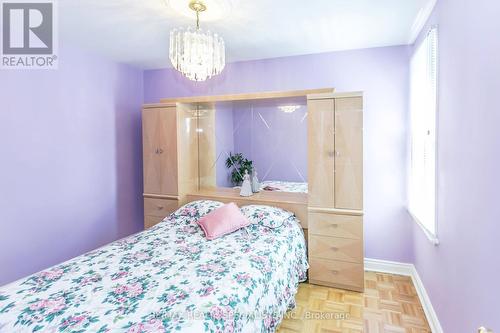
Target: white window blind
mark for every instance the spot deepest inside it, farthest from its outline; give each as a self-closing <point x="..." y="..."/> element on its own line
<point x="423" y="108"/>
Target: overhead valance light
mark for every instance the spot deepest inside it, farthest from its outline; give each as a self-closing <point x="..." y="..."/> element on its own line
<point x="197" y="54"/>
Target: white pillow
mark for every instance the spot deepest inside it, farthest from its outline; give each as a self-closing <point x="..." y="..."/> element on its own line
<point x="271" y="217"/>
<point x="198" y="208"/>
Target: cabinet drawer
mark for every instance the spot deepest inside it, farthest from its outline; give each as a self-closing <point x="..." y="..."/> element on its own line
<point x="150" y="221"/>
<point x="334" y="248"/>
<point x="345" y="226"/>
<point x="334" y="273"/>
<point x="159" y="207"/>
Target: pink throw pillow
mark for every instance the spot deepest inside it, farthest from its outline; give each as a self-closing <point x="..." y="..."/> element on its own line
<point x="222" y="221"/>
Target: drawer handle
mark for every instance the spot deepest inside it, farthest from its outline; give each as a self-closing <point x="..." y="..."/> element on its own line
<point x="160" y="207"/>
<point x="335" y="225"/>
<point x="334" y="249"/>
<point x="334" y="271"/>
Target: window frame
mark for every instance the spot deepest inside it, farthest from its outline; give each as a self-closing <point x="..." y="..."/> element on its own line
<point x="432" y="236"/>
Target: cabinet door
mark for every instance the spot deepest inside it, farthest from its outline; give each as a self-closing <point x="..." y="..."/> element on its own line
<point x="321" y="138"/>
<point x="168" y="151"/>
<point x="150" y="144"/>
<point x="349" y="153"/>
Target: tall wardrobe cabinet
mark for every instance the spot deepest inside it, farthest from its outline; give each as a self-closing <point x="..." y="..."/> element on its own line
<point x="335" y="208"/>
<point x="169" y="165"/>
<point x="159" y="163"/>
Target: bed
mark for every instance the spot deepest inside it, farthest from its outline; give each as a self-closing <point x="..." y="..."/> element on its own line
<point x="167" y="278"/>
<point x="284" y="186"/>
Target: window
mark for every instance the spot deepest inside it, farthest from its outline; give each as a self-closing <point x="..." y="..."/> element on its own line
<point x="423" y="109"/>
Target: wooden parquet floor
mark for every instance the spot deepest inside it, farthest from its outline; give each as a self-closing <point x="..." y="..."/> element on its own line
<point x="389" y="305"/>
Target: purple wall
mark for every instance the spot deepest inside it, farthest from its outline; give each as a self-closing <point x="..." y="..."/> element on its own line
<point x="71" y="175"/>
<point x="461" y="274"/>
<point x="382" y="73"/>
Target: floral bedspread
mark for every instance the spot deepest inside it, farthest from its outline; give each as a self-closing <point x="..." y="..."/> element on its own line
<point x="284" y="186"/>
<point x="165" y="279"/>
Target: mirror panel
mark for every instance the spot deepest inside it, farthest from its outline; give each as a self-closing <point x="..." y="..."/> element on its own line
<point x="268" y="136"/>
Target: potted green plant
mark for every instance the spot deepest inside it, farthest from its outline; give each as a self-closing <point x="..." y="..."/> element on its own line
<point x="239" y="164"/>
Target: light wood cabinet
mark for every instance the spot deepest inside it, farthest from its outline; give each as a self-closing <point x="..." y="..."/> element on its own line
<point x="160" y="163"/>
<point x="168" y="151"/>
<point x="335" y="234"/>
<point x="150" y="144"/>
<point x="174" y="137"/>
<point x="160" y="151"/>
<point x="321" y="146"/>
<point x="336" y="250"/>
<point x="349" y="153"/>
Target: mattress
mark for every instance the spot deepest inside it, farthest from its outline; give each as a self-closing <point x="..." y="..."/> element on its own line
<point x="167" y="278"/>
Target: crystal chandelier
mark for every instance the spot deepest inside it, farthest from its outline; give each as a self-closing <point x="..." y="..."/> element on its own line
<point x="197" y="54"/>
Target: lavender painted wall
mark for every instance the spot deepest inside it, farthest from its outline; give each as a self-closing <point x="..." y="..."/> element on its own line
<point x="382" y="73"/>
<point x="71" y="174"/>
<point x="461" y="274"/>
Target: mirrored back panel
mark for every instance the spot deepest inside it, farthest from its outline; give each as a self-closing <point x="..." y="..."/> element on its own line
<point x="263" y="137"/>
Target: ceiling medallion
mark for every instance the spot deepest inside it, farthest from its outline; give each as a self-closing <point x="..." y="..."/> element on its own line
<point x="197" y="54"/>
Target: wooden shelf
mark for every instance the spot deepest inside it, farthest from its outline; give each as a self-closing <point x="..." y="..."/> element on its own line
<point x="263" y="196"/>
<point x="247" y="96"/>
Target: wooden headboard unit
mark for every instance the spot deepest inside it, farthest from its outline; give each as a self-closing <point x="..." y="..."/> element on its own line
<point x="178" y="168"/>
<point x="294" y="202"/>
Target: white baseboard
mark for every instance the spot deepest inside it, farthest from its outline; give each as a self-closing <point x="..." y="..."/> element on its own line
<point x="399" y="268"/>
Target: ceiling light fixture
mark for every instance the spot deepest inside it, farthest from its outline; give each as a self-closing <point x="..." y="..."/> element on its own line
<point x="197" y="54"/>
<point x="219" y="9"/>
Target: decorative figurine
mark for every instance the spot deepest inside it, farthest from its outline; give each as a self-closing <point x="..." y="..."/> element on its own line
<point x="246" y="187"/>
<point x="255" y="182"/>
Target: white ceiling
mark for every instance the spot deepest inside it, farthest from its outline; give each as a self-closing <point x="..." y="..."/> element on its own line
<point x="137" y="31"/>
